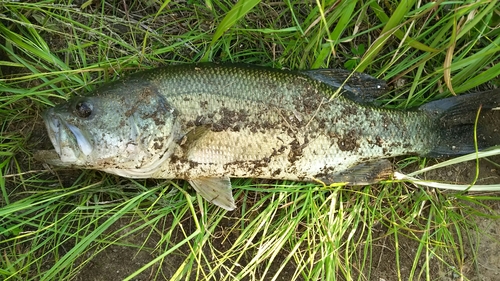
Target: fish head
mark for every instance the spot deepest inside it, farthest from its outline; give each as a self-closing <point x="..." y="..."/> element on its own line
<point x="125" y="128"/>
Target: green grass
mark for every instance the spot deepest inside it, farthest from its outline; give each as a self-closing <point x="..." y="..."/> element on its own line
<point x="56" y="222"/>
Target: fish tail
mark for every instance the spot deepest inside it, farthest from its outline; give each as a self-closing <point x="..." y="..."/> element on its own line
<point x="465" y="123"/>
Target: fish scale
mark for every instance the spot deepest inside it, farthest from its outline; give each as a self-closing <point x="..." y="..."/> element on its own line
<point x="274" y="109"/>
<point x="207" y="123"/>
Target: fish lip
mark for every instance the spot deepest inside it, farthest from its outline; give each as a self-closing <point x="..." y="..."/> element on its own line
<point x="53" y="128"/>
<point x="83" y="143"/>
<point x="57" y="127"/>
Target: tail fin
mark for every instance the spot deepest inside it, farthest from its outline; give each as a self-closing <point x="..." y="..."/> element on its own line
<point x="457" y="121"/>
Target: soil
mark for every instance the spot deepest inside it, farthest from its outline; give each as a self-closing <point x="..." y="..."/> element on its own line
<point x="482" y="259"/>
<point x="488" y="247"/>
<point x="115" y="262"/>
<point x="481" y="262"/>
<point x="110" y="263"/>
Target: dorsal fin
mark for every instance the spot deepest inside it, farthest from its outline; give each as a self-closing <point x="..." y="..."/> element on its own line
<point x="359" y="87"/>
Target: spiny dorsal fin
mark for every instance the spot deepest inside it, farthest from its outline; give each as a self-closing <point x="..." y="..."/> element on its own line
<point x="215" y="190"/>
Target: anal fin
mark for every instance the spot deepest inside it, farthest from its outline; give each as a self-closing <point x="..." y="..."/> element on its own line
<point x="362" y="174"/>
<point x="215" y="190"/>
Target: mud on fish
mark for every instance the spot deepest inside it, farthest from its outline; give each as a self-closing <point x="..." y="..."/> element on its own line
<point x="207" y="123"/>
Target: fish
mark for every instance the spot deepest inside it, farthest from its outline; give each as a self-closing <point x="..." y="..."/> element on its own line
<point x="207" y="123"/>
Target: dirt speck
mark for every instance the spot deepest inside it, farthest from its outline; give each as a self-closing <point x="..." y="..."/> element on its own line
<point x="349" y="141"/>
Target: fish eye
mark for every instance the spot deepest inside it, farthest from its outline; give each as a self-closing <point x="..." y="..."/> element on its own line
<point x="83" y="109"/>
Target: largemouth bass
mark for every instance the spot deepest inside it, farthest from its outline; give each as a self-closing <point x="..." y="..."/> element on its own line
<point x="207" y="123"/>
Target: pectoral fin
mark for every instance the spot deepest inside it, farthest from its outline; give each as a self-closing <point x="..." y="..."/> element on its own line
<point x="362" y="174"/>
<point x="215" y="190"/>
<point x="204" y="146"/>
<point x="194" y="135"/>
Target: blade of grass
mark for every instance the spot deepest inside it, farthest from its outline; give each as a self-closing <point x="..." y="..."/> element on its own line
<point x="239" y="10"/>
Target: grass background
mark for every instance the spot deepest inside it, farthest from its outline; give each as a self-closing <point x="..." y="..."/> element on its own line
<point x="58" y="223"/>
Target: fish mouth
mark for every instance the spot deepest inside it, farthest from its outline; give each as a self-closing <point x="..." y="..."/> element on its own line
<point x="69" y="141"/>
